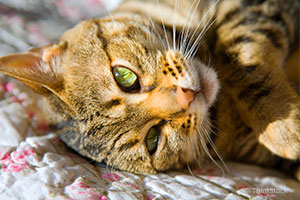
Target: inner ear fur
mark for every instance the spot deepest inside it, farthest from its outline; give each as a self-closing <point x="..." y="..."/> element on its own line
<point x="39" y="68"/>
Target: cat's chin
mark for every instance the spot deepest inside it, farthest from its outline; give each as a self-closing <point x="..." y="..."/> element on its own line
<point x="194" y="148"/>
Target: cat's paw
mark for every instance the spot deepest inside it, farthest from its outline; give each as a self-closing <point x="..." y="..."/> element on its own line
<point x="282" y="136"/>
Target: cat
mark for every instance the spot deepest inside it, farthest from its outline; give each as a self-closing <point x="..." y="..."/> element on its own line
<point x="164" y="84"/>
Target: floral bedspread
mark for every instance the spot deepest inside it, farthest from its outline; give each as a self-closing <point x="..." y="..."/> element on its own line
<point x="35" y="164"/>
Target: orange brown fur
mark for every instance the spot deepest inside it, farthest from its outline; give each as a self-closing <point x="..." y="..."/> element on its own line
<point x="256" y="113"/>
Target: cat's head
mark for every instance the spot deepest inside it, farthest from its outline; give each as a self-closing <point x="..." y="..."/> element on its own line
<point x="121" y="97"/>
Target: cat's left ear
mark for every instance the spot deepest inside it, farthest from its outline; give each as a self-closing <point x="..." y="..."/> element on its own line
<point x="39" y="68"/>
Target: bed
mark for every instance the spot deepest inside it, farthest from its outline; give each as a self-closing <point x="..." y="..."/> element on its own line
<point x="35" y="164"/>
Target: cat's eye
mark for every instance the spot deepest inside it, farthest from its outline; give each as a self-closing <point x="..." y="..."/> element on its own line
<point x="152" y="139"/>
<point x="126" y="79"/>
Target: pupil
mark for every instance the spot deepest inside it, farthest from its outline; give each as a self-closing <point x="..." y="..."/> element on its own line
<point x="126" y="79"/>
<point x="152" y="140"/>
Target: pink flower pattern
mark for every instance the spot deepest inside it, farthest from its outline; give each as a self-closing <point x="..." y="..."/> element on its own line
<point x="36" y="35"/>
<point x="208" y="172"/>
<point x="150" y="197"/>
<point x="30" y="114"/>
<point x="111" y="177"/>
<point x="80" y="190"/>
<point x="16" y="160"/>
<point x="68" y="11"/>
<point x="7" y="86"/>
<point x="241" y="186"/>
<point x="43" y="126"/>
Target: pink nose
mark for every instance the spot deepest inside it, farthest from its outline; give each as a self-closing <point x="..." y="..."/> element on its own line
<point x="184" y="97"/>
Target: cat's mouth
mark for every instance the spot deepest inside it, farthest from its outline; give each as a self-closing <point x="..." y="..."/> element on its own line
<point x="198" y="106"/>
<point x="196" y="124"/>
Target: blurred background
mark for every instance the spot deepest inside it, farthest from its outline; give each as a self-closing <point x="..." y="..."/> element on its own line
<point x="28" y="23"/>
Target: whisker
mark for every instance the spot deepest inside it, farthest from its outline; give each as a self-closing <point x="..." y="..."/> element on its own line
<point x="202" y="140"/>
<point x="190" y="170"/>
<point x="112" y="167"/>
<point x="209" y="61"/>
<point x="163" y="24"/>
<point x="206" y="134"/>
<point x="200" y="23"/>
<point x="204" y="29"/>
<point x="184" y="28"/>
<point x="174" y="24"/>
<point x="189" y="25"/>
<point x="150" y="39"/>
<point x="182" y="32"/>
<point x="65" y="134"/>
<point x="196" y="44"/>
<point x="211" y="125"/>
<point x="195" y="150"/>
<point x="157" y="31"/>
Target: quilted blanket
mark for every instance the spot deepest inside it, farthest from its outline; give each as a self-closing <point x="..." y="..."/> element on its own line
<point x="35" y="164"/>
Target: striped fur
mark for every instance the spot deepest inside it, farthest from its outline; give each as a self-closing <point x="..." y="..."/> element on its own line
<point x="170" y="45"/>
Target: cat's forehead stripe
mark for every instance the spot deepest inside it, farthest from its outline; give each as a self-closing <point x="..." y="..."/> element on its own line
<point x="121" y="48"/>
<point x="130" y="40"/>
<point x="100" y="36"/>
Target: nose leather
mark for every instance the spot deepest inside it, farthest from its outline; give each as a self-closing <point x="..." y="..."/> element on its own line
<point x="184" y="97"/>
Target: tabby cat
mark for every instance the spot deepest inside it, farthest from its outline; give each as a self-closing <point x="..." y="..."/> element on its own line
<point x="139" y="90"/>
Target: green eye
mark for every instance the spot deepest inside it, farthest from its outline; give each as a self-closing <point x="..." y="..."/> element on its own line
<point x="152" y="139"/>
<point x="125" y="78"/>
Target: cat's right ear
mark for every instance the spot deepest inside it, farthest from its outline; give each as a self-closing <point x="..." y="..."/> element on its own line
<point x="39" y="68"/>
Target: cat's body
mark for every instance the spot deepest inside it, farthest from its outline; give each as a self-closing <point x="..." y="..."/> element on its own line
<point x="158" y="116"/>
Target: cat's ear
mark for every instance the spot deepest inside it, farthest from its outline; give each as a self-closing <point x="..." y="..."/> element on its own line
<point x="39" y="68"/>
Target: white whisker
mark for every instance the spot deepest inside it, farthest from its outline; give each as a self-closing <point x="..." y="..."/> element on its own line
<point x="182" y="32"/>
<point x="157" y="31"/>
<point x="65" y="134"/>
<point x="163" y="24"/>
<point x="202" y="140"/>
<point x="112" y="167"/>
<point x="203" y="31"/>
<point x="196" y="44"/>
<point x="206" y="134"/>
<point x="189" y="169"/>
<point x="200" y="23"/>
<point x="151" y="38"/>
<point x="189" y="26"/>
<point x="195" y="150"/>
<point x="174" y="24"/>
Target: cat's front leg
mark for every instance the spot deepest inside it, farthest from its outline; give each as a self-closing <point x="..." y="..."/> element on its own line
<point x="252" y="45"/>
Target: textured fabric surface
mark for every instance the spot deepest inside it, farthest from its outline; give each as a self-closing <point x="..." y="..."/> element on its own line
<point x="35" y="164"/>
